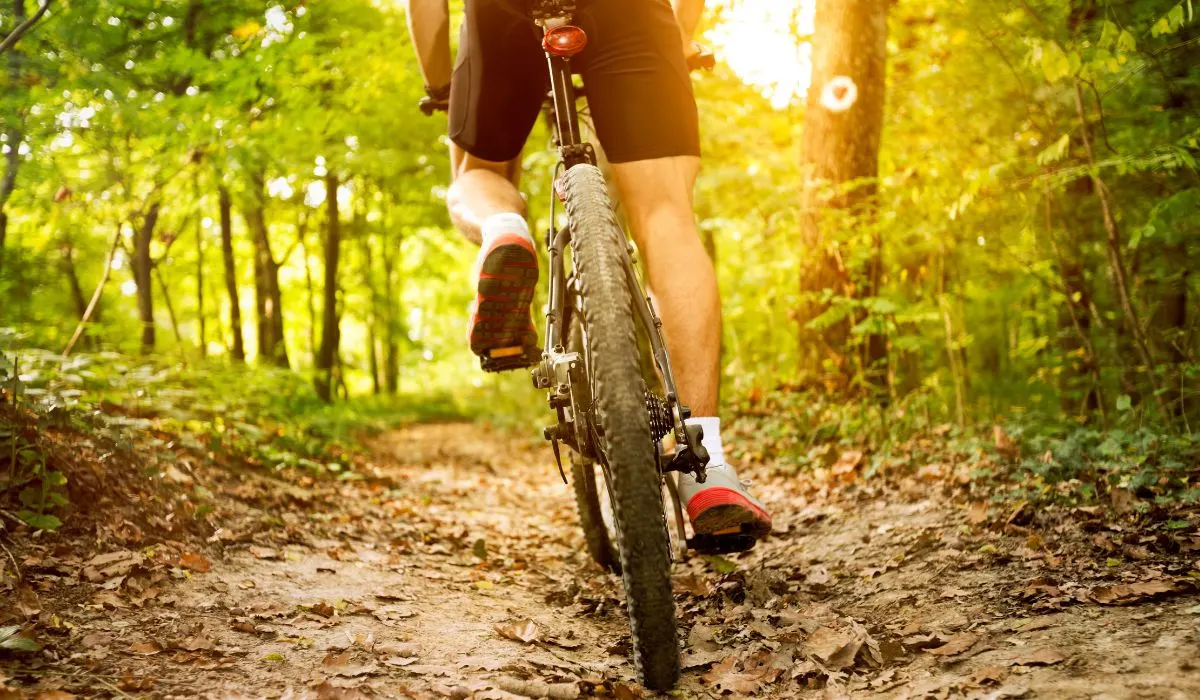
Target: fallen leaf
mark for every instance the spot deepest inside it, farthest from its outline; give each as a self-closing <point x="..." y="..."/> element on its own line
<point x="989" y="675"/>
<point x="818" y="576"/>
<point x="479" y="549"/>
<point x="194" y="562"/>
<point x="106" y="566"/>
<point x="564" y="643"/>
<point x="54" y="695"/>
<point x="1124" y="594"/>
<point x="726" y="676"/>
<point x="323" y="609"/>
<point x="1041" y="657"/>
<point x="836" y="649"/>
<point x="691" y="583"/>
<point x="538" y="689"/>
<point x="197" y="643"/>
<point x="147" y="648"/>
<point x="396" y="649"/>
<point x="846" y="463"/>
<point x="524" y="631"/>
<point x="108" y="599"/>
<point x="977" y="513"/>
<point x="957" y="644"/>
<point x="264" y="552"/>
<point x="28" y="603"/>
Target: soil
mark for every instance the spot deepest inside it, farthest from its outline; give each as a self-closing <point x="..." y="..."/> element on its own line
<point x="456" y="568"/>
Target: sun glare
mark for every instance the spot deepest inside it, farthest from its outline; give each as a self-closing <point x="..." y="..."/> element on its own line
<point x="761" y="41"/>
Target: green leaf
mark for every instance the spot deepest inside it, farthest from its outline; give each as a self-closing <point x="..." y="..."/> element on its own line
<point x="11" y="640"/>
<point x="1126" y="42"/>
<point x="55" y="479"/>
<point x="720" y="564"/>
<point x="41" y="521"/>
<point x="1124" y="402"/>
<point x="1055" y="64"/>
<point x="1055" y="151"/>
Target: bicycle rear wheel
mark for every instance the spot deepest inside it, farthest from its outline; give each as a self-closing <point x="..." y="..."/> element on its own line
<point x="599" y="253"/>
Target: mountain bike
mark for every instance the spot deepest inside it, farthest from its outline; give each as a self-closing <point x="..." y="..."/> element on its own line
<point x="607" y="412"/>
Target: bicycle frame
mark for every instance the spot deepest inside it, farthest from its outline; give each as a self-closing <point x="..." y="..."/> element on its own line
<point x="564" y="373"/>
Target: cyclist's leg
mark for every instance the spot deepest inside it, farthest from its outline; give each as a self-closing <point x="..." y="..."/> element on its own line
<point x="481" y="189"/>
<point x="641" y="99"/>
<point x="657" y="199"/>
<point x="495" y="98"/>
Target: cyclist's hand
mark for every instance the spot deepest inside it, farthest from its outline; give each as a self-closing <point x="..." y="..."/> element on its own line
<point x="699" y="57"/>
<point x="435" y="100"/>
<point x="430" y="105"/>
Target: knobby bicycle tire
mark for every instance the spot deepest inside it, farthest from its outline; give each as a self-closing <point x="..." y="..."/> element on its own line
<point x="599" y="251"/>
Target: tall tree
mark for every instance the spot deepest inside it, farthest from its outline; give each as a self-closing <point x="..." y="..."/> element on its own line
<point x="13" y="132"/>
<point x="330" y="331"/>
<point x="840" y="161"/>
<point x="268" y="299"/>
<point x="225" y="204"/>
<point x="143" y="270"/>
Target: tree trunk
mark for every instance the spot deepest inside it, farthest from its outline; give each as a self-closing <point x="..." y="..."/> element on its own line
<point x="13" y="133"/>
<point x="391" y="327"/>
<point x="268" y="296"/>
<point x="166" y="295"/>
<point x="231" y="287"/>
<point x="330" y="333"/>
<point x="78" y="297"/>
<point x="203" y="340"/>
<point x="1116" y="262"/>
<point x="373" y="310"/>
<point x="310" y="296"/>
<point x="842" y="129"/>
<point x="95" y="302"/>
<point x="143" y="268"/>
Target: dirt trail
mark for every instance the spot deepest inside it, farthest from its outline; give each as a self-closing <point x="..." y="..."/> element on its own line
<point x="457" y="569"/>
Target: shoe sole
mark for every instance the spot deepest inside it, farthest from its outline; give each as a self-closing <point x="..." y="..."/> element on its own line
<point x="722" y="511"/>
<point x="507" y="282"/>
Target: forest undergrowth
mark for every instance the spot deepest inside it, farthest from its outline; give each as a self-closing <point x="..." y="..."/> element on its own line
<point x="201" y="564"/>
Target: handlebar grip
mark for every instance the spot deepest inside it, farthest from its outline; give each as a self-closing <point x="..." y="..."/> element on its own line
<point x="704" y="59"/>
<point x="429" y="105"/>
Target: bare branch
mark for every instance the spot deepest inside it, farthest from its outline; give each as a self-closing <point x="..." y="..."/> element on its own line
<point x="15" y="35"/>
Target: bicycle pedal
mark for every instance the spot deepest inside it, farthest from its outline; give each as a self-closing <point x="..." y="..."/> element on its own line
<point x="727" y="543"/>
<point x="511" y="358"/>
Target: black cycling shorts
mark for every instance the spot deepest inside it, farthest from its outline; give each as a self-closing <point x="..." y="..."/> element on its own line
<point x="638" y="87"/>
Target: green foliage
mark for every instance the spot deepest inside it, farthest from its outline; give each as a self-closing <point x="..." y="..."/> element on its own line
<point x="11" y="639"/>
<point x="1010" y="129"/>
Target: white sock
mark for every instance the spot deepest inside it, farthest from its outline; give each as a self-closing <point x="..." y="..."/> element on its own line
<point x="711" y="439"/>
<point x="505" y="222"/>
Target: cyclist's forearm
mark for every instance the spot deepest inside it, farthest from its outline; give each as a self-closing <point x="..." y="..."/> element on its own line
<point x="687" y="16"/>
<point x="429" y="25"/>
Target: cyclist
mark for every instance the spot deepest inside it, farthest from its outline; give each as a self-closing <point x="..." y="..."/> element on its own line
<point x="640" y="96"/>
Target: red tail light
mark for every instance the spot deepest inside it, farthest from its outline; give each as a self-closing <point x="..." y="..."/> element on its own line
<point x="566" y="40"/>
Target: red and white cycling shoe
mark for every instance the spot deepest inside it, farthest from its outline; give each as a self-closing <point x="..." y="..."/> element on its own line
<point x="722" y="506"/>
<point x="506" y="274"/>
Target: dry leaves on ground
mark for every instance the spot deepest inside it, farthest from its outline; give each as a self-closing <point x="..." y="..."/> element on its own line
<point x="524" y="631"/>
